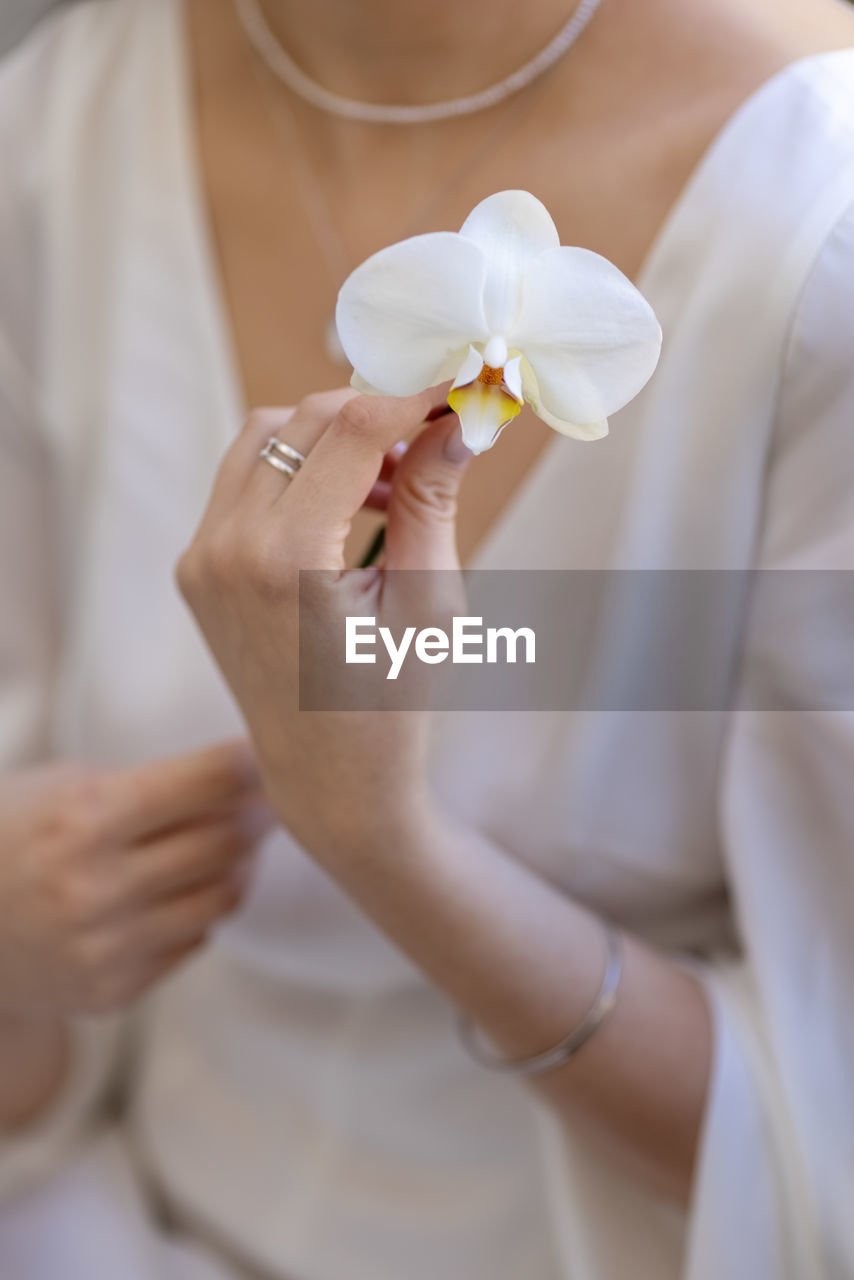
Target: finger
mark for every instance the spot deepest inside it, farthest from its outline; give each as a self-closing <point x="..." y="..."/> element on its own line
<point x="394" y="457"/>
<point x="264" y="484"/>
<point x="244" y="477"/>
<point x="187" y="857"/>
<point x="341" y="471"/>
<point x="241" y="453"/>
<point x="377" y="499"/>
<point x="176" y="790"/>
<point x="421" y="531"/>
<point x="188" y="917"/>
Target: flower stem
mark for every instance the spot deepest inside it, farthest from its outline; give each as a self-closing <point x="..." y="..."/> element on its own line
<point x="374" y="549"/>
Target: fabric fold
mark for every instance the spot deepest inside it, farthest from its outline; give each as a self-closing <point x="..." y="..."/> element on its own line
<point x="30" y="1156"/>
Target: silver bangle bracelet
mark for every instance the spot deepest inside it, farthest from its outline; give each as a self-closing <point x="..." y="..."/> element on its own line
<point x="606" y="999"/>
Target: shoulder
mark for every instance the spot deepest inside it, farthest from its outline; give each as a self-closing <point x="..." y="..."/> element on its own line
<point x="790" y="142"/>
<point x="65" y="78"/>
<point x="772" y="205"/>
<point x="78" y="39"/>
<point x="810" y="493"/>
<point x="819" y="363"/>
<point x="68" y="94"/>
<point x="87" y="29"/>
<point x="828" y="79"/>
<point x="822" y="142"/>
<point x="817" y="140"/>
<point x="801" y="128"/>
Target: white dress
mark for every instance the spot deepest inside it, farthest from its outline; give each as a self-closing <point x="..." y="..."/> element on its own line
<point x="299" y="1106"/>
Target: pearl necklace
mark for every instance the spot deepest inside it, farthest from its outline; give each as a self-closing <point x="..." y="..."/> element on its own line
<point x="282" y="65"/>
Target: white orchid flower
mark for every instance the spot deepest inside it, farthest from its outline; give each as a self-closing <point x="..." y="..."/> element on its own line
<point x="509" y="314"/>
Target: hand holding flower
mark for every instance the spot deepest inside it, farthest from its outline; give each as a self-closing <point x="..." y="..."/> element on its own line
<point x="334" y="778"/>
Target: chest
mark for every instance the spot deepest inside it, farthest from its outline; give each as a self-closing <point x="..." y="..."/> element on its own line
<point x="285" y="232"/>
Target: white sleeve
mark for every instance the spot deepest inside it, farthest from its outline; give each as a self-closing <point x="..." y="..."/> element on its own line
<point x="775" y="1176"/>
<point x="30" y="621"/>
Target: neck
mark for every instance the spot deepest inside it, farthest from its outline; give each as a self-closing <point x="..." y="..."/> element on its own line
<point x="416" y="52"/>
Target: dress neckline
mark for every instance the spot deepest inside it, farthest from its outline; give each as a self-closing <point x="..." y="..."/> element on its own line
<point x="673" y="233"/>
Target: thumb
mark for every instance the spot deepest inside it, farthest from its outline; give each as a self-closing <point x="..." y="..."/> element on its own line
<point x="421" y="532"/>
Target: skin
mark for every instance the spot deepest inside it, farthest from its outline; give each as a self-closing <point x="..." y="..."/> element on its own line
<point x="622" y="122"/>
<point x="125" y="873"/>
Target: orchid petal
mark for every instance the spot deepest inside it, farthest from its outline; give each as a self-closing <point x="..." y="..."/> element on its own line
<point x="408" y="310"/>
<point x="591" y="338"/>
<point x="513" y="378"/>
<point x="512" y="228"/>
<point x="578" y="431"/>
<point x="358" y="383"/>
<point x="484" y="410"/>
<point x="469" y="369"/>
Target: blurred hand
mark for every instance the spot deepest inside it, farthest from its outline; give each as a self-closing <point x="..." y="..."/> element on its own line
<point x="108" y="879"/>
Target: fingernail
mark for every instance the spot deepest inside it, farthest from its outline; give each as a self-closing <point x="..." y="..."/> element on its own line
<point x="455" y="451"/>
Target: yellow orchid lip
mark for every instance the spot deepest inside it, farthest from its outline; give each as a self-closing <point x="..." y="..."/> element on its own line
<point x="485" y="406"/>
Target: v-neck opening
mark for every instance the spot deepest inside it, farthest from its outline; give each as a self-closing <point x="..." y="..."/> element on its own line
<point x="220" y="322"/>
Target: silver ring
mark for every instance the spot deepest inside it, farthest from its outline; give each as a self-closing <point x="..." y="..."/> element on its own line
<point x="282" y="456"/>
